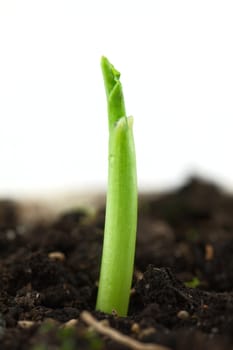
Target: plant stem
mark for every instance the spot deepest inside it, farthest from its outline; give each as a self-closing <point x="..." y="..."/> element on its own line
<point x="121" y="208"/>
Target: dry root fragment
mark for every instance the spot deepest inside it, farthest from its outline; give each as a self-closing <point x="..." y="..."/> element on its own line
<point x="117" y="336"/>
<point x="70" y="324"/>
<point x="105" y="323"/>
<point x="146" y="332"/>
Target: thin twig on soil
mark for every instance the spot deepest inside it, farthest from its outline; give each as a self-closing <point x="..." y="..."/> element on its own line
<point x="117" y="336"/>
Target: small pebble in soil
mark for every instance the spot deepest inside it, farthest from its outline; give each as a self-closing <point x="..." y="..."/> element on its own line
<point x="209" y="252"/>
<point x="183" y="315"/>
<point x="138" y="274"/>
<point x="135" y="328"/>
<point x="25" y="324"/>
<point x="57" y="256"/>
<point x="132" y="291"/>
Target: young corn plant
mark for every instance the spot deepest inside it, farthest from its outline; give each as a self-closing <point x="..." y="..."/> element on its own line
<point x="121" y="207"/>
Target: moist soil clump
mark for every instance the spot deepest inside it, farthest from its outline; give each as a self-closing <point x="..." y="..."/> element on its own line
<point x="182" y="292"/>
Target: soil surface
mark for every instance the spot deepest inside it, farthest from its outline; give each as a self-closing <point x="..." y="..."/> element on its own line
<point x="182" y="292"/>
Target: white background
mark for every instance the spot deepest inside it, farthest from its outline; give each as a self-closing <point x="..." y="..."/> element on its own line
<point x="176" y="60"/>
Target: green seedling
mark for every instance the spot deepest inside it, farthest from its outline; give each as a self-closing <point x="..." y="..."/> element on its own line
<point x="121" y="207"/>
<point x="194" y="283"/>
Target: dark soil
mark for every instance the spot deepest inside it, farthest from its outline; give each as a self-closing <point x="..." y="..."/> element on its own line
<point x="182" y="293"/>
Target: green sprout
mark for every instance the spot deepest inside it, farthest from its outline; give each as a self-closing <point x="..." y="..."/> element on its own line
<point x="121" y="207"/>
<point x="194" y="283"/>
